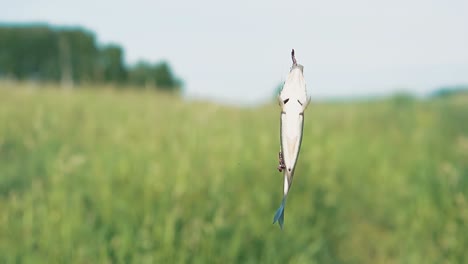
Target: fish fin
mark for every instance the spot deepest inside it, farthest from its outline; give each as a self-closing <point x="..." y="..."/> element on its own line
<point x="304" y="107"/>
<point x="280" y="102"/>
<point x="279" y="215"/>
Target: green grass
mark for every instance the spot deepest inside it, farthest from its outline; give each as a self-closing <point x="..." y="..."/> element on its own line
<point x="106" y="176"/>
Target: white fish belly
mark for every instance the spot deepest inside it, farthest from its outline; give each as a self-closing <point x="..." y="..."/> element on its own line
<point x="291" y="137"/>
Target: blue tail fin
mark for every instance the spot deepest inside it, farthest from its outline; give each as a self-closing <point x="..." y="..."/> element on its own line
<point x="279" y="215"/>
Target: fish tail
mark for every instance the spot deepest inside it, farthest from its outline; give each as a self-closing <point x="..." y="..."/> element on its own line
<point x="279" y="215"/>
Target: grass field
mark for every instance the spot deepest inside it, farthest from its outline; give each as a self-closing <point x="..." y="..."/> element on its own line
<point x="106" y="176"/>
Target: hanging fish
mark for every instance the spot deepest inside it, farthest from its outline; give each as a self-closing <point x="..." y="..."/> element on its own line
<point x="293" y="101"/>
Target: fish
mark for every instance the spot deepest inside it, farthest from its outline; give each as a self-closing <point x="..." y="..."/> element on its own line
<point x="293" y="101"/>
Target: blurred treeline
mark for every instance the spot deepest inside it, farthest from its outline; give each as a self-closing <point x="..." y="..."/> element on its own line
<point x="72" y="55"/>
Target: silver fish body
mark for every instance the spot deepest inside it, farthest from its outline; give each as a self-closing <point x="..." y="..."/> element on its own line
<point x="293" y="101"/>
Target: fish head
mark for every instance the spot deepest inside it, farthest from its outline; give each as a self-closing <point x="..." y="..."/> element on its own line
<point x="294" y="87"/>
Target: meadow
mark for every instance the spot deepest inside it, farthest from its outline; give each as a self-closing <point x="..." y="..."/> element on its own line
<point x="124" y="176"/>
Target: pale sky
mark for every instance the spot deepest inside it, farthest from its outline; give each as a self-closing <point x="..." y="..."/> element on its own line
<point x="239" y="51"/>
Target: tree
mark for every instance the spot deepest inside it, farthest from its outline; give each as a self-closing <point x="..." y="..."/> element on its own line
<point x="110" y="66"/>
<point x="157" y="75"/>
<point x="71" y="55"/>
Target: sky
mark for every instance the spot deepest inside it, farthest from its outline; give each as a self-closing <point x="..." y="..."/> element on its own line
<point x="239" y="51"/>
